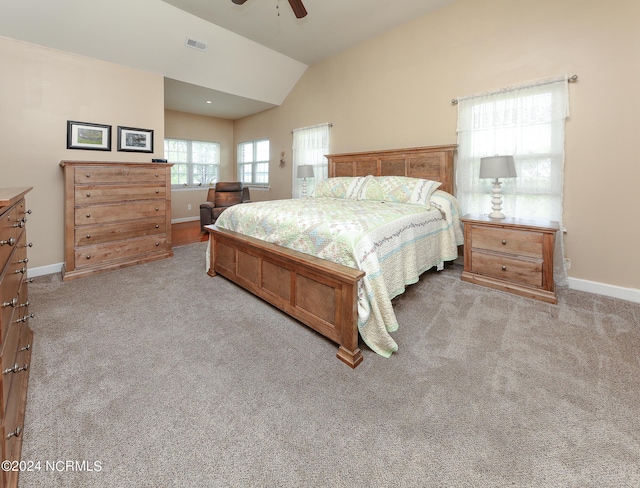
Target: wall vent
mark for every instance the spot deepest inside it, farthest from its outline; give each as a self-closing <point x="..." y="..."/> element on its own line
<point x="200" y="46"/>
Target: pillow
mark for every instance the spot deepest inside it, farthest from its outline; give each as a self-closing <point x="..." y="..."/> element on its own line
<point x="399" y="189"/>
<point x="340" y="187"/>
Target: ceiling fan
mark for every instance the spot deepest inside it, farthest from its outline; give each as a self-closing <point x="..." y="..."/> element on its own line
<point x="296" y="6"/>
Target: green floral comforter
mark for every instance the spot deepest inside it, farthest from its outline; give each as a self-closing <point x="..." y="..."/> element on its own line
<point x="392" y="242"/>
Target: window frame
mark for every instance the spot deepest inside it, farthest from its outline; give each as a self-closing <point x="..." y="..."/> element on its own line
<point x="190" y="163"/>
<point x="254" y="163"/>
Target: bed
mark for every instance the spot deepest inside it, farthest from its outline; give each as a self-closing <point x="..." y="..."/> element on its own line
<point x="336" y="293"/>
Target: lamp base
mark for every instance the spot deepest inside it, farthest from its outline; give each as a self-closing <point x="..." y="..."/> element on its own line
<point x="496" y="200"/>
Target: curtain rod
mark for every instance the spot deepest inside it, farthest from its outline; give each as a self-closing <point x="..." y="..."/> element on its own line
<point x="313" y="126"/>
<point x="570" y="79"/>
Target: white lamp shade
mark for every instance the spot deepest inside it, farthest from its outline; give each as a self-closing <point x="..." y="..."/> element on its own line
<point x="497" y="167"/>
<point x="305" y="171"/>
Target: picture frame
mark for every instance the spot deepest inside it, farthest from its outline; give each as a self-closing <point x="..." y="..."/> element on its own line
<point x="89" y="136"/>
<point x="135" y="140"/>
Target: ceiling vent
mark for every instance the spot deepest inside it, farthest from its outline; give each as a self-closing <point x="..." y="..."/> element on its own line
<point x="200" y="46"/>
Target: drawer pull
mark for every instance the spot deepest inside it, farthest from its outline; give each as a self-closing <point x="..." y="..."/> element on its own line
<point x="25" y="348"/>
<point x="11" y="304"/>
<point x="88" y="236"/>
<point x="16" y="369"/>
<point x="88" y="175"/>
<point x="157" y="209"/>
<point x="88" y="215"/>
<point x="25" y="318"/>
<point x="88" y="194"/>
<point x="88" y="256"/>
<point x="19" y="224"/>
<point x="15" y="433"/>
<point x="157" y="244"/>
<point x="156" y="175"/>
<point x="504" y="242"/>
<point x="22" y="270"/>
<point x="25" y="304"/>
<point x="11" y="241"/>
<point x="28" y="211"/>
<point x="157" y="226"/>
<point x="28" y="245"/>
<point x="25" y="260"/>
<point x="157" y="191"/>
<point x="504" y="268"/>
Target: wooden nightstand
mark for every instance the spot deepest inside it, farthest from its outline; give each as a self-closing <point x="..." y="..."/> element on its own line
<point x="510" y="255"/>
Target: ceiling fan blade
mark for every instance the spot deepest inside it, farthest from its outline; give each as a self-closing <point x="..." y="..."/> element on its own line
<point x="238" y="2"/>
<point x="298" y="8"/>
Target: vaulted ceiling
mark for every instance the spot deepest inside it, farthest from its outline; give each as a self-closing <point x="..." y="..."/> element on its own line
<point x="255" y="53"/>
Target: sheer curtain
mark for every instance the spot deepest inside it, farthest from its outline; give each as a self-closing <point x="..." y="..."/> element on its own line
<point x="310" y="144"/>
<point x="526" y="122"/>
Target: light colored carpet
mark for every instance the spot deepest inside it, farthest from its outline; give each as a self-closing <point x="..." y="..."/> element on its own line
<point x="169" y="378"/>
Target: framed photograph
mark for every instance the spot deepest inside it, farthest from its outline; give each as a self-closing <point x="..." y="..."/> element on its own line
<point x="83" y="135"/>
<point x="135" y="140"/>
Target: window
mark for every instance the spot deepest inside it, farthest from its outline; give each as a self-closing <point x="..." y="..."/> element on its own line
<point x="195" y="163"/>
<point x="253" y="162"/>
<point x="310" y="144"/>
<point x="526" y="122"/>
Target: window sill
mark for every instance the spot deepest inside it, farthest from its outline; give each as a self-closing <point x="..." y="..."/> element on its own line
<point x="191" y="188"/>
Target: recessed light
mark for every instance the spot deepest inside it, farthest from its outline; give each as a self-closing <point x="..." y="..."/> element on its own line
<point x="208" y="101"/>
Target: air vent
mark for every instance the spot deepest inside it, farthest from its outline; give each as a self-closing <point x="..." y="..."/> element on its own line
<point x="200" y="46"/>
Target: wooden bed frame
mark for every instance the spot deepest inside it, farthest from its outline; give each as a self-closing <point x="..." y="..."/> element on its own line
<point x="319" y="293"/>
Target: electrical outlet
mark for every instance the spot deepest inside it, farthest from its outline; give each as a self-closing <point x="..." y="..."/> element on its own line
<point x="188" y="206"/>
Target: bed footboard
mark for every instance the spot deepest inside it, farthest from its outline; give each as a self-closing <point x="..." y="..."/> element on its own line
<point x="320" y="294"/>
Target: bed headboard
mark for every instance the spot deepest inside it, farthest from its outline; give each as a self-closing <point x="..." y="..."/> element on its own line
<point x="431" y="163"/>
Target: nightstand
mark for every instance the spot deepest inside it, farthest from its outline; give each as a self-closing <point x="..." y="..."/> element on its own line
<point x="511" y="255"/>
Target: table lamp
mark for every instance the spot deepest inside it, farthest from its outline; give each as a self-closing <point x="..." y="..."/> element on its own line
<point x="497" y="167"/>
<point x="305" y="171"/>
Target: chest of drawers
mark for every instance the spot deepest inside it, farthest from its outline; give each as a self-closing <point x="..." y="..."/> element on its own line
<point x="15" y="334"/>
<point x="116" y="215"/>
<point x="510" y="255"/>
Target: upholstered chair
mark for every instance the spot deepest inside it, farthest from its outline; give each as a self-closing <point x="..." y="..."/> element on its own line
<point x="220" y="197"/>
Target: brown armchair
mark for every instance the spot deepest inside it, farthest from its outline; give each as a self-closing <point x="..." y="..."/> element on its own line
<point x="221" y="196"/>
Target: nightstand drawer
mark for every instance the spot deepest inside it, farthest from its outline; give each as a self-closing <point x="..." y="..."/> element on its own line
<point x="516" y="242"/>
<point x="526" y="272"/>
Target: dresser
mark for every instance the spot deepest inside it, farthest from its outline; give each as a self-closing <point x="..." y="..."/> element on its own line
<point x="14" y="326"/>
<point x="116" y="215"/>
<point x="511" y="255"/>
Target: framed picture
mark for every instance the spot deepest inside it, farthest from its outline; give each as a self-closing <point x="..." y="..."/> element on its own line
<point x="135" y="140"/>
<point x="83" y="135"/>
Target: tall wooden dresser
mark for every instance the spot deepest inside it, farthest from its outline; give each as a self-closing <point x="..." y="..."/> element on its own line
<point x="116" y="215"/>
<point x="14" y="324"/>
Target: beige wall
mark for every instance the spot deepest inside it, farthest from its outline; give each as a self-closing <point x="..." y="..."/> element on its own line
<point x="40" y="89"/>
<point x="395" y="91"/>
<point x="179" y="125"/>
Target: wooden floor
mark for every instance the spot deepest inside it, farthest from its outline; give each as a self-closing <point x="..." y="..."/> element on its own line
<point x="185" y="233"/>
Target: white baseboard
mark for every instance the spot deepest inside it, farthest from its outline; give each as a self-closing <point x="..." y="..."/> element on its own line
<point x="184" y="219"/>
<point x="630" y="294"/>
<point x="45" y="270"/>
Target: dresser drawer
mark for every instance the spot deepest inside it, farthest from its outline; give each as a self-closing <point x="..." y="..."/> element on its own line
<point x="114" y="213"/>
<point x="8" y="234"/>
<point x="9" y="357"/>
<point x="99" y="234"/>
<point x="516" y="242"/>
<point x="98" y="254"/>
<point x="9" y="287"/>
<point x="85" y="175"/>
<point x="14" y="414"/>
<point x="527" y="272"/>
<point x="87" y="195"/>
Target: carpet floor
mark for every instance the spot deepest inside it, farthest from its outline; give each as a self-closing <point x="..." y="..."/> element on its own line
<point x="161" y="376"/>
